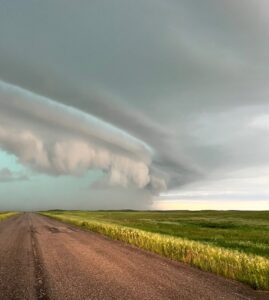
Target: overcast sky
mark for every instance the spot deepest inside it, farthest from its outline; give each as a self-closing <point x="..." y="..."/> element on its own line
<point x="134" y="104"/>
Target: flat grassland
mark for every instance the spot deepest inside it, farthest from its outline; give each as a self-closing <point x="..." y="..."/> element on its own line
<point x="5" y="215"/>
<point x="229" y="243"/>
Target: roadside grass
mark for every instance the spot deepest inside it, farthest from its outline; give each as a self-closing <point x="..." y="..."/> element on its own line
<point x="243" y="231"/>
<point x="5" y="215"/>
<point x="231" y="244"/>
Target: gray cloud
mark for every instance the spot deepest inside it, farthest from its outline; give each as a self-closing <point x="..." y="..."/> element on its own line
<point x="178" y="88"/>
<point x="7" y="176"/>
<point x="59" y="139"/>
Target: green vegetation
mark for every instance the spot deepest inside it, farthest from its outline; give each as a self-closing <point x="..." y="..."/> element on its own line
<point x="5" y="215"/>
<point x="233" y="244"/>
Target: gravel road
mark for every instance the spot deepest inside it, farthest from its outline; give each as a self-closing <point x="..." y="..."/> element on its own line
<point x="42" y="258"/>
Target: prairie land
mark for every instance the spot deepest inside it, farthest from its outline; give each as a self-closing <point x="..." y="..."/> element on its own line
<point x="229" y="243"/>
<point x="5" y="215"/>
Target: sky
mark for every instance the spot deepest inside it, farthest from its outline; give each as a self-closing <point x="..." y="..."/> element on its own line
<point x="143" y="104"/>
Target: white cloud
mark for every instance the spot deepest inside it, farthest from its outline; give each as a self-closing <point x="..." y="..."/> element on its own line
<point x="244" y="184"/>
<point x="260" y="122"/>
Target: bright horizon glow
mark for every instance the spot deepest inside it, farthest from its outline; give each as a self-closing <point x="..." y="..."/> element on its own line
<point x="211" y="205"/>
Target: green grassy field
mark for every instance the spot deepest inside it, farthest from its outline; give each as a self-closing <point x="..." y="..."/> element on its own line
<point x="5" y="215"/>
<point x="233" y="244"/>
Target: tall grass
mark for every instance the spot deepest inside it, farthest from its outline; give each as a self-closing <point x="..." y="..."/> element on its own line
<point x="6" y="215"/>
<point x="247" y="268"/>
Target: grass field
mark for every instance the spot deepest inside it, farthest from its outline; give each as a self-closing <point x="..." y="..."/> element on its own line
<point x="5" y="215"/>
<point x="233" y="244"/>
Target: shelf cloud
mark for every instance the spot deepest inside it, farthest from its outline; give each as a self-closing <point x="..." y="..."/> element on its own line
<point x="55" y="139"/>
<point x="148" y="98"/>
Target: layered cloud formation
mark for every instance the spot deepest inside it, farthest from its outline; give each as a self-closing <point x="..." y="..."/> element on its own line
<point x="60" y="140"/>
<point x="169" y="96"/>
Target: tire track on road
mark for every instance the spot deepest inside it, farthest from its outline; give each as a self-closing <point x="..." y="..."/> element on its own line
<point x="40" y="278"/>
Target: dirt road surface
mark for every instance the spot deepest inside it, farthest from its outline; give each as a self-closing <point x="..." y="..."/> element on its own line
<point x="42" y="258"/>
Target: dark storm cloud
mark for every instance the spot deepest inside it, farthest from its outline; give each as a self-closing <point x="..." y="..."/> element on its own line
<point x="187" y="78"/>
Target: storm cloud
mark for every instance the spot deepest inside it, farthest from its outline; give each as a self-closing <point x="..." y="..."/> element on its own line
<point x="169" y="97"/>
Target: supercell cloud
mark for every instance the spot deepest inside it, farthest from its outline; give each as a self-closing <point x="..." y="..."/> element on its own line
<point x="141" y="99"/>
<point x="55" y="139"/>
